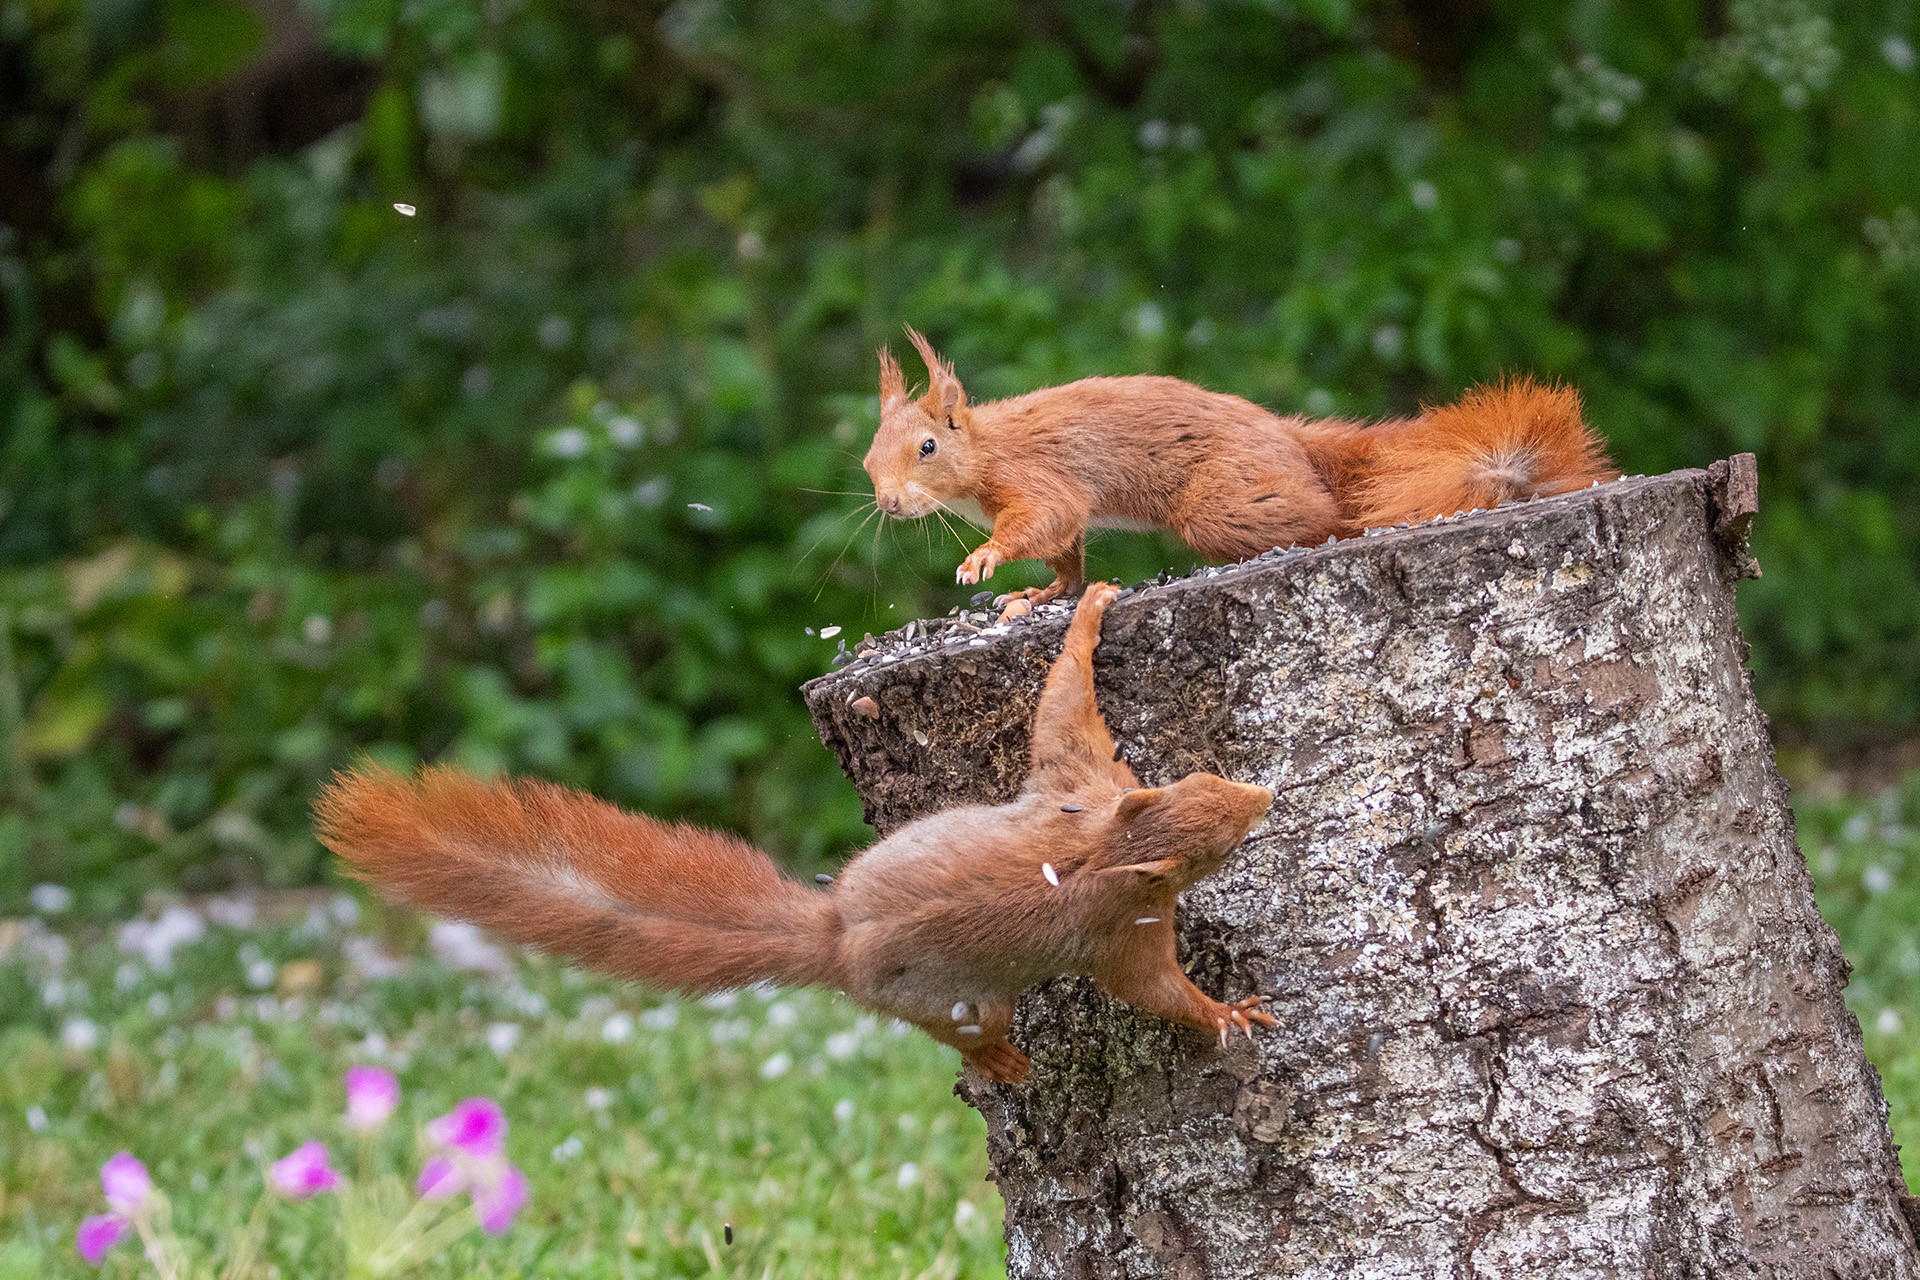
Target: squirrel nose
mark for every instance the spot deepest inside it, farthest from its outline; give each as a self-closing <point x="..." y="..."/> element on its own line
<point x="890" y="505"/>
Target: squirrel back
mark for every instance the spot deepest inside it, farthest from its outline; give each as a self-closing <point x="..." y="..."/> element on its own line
<point x="669" y="904"/>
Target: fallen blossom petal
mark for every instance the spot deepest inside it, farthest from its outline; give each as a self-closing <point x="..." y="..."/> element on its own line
<point x="372" y="1095"/>
<point x="439" y="1178"/>
<point x="126" y="1183"/>
<point x="499" y="1199"/>
<point x="476" y="1126"/>
<point x="304" y="1172"/>
<point x="98" y="1234"/>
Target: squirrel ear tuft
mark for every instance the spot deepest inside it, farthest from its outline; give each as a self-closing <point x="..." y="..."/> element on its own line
<point x="1136" y="802"/>
<point x="893" y="385"/>
<point x="945" y="396"/>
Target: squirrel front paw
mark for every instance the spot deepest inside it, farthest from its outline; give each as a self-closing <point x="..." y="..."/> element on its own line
<point x="1242" y="1014"/>
<point x="979" y="566"/>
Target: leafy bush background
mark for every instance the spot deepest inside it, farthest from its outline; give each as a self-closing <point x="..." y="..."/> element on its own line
<point x="286" y="475"/>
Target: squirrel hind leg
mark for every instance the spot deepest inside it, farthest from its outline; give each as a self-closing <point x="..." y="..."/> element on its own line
<point x="1252" y="518"/>
<point x="1001" y="1063"/>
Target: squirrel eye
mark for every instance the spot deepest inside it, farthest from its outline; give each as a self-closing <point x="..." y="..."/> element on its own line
<point x="926" y="448"/>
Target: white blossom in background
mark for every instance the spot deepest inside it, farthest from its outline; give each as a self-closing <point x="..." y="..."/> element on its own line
<point x="567" y="442"/>
<point x="776" y="1066"/>
<point x="908" y="1176"/>
<point x="1592" y="93"/>
<point x="459" y="945"/>
<point x="238" y="911"/>
<point x="156" y="940"/>
<point x="80" y="1034"/>
<point x="50" y="899"/>
<point x="365" y="956"/>
<point x="618" y="1028"/>
<point x="661" y="1018"/>
<point x="501" y="1037"/>
<point x="843" y="1110"/>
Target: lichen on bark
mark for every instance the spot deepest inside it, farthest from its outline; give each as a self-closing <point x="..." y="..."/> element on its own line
<point x="1554" y="997"/>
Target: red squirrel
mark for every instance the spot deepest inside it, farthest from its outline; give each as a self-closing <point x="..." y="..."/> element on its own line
<point x="1228" y="476"/>
<point x="942" y="924"/>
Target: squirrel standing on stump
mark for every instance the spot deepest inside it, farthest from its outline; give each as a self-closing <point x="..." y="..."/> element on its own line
<point x="942" y="924"/>
<point x="1234" y="480"/>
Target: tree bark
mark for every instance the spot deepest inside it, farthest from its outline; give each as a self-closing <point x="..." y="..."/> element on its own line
<point x="1555" y="999"/>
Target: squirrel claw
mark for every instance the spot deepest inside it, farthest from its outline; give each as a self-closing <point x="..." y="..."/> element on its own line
<point x="1243" y="1014"/>
<point x="978" y="566"/>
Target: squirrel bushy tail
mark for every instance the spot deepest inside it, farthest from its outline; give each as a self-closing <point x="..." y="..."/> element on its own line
<point x="1512" y="439"/>
<point x="663" y="903"/>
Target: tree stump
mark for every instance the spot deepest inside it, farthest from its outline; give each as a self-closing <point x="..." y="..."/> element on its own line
<point x="1554" y="998"/>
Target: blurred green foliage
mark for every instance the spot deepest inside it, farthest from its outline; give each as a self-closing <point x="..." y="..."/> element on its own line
<point x="288" y="474"/>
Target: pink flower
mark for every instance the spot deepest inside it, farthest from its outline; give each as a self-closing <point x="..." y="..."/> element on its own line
<point x="476" y="1127"/>
<point x="98" y="1234"/>
<point x="372" y="1095"/>
<point x="497" y="1199"/>
<point x="125" y="1181"/>
<point x="304" y="1172"/>
<point x="439" y="1178"/>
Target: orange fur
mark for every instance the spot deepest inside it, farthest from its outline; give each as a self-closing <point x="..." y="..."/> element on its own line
<point x="952" y="913"/>
<point x="1230" y="477"/>
<point x="1511" y="440"/>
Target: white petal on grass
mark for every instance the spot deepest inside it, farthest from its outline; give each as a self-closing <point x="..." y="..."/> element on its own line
<point x="698" y="506"/>
<point x="403" y="209"/>
<point x="828" y="633"/>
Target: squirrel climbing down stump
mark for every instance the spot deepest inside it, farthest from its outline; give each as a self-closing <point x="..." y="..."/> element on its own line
<point x="942" y="924"/>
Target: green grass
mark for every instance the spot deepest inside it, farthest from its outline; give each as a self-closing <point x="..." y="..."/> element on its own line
<point x="830" y="1142"/>
<point x="1865" y="857"/>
